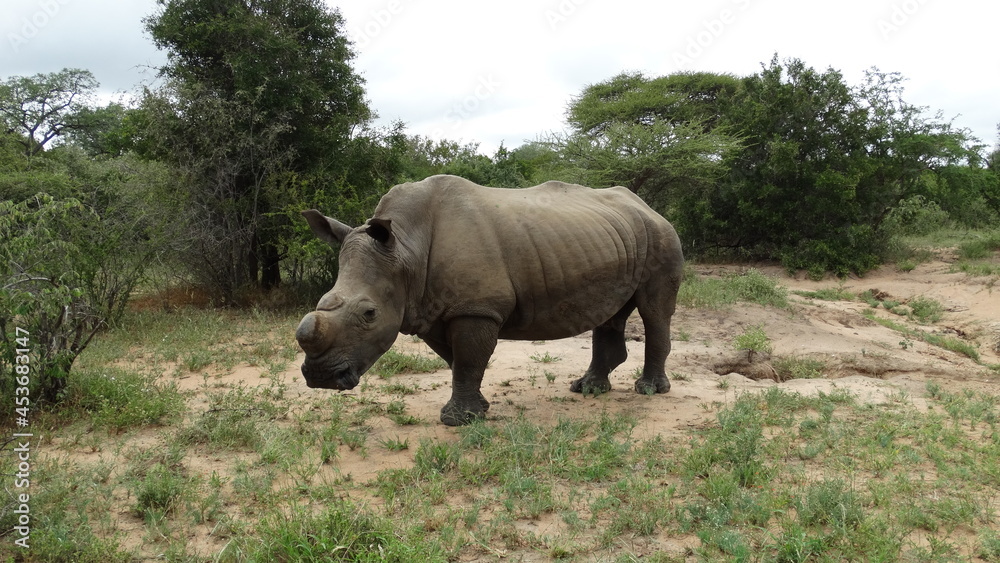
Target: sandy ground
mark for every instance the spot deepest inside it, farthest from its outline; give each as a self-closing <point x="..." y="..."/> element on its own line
<point x="861" y="356"/>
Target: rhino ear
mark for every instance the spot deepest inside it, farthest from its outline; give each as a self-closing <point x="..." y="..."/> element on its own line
<point x="381" y="230"/>
<point x="328" y="230"/>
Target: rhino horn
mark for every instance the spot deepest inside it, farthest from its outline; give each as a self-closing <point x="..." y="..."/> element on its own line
<point x="311" y="334"/>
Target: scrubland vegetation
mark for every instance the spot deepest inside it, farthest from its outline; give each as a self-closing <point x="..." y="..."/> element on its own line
<point x="149" y="243"/>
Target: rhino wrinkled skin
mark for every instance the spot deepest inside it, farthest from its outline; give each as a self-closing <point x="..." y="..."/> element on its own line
<point x="461" y="265"/>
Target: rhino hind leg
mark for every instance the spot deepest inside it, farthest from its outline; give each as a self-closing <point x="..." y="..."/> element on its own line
<point x="471" y="341"/>
<point x="609" y="352"/>
<point x="656" y="307"/>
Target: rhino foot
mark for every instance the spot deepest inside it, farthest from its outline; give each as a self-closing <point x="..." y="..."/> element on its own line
<point x="651" y="386"/>
<point x="456" y="413"/>
<point x="589" y="385"/>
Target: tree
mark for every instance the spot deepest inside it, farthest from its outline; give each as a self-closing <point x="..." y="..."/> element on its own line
<point x="255" y="90"/>
<point x="103" y="131"/>
<point x="789" y="163"/>
<point x="823" y="165"/>
<point x="657" y="137"/>
<point x="422" y="157"/>
<point x="45" y="106"/>
<point x="630" y="98"/>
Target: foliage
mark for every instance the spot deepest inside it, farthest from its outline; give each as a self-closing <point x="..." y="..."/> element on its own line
<point x="657" y="137"/>
<point x="43" y="107"/>
<point x="798" y="368"/>
<point x="754" y="340"/>
<point x="395" y="362"/>
<point x="789" y="163"/>
<point x="827" y="162"/>
<point x="120" y="399"/>
<point x="260" y="107"/>
<point x="104" y="131"/>
<point x="71" y="259"/>
<point x="768" y="473"/>
<point x="751" y="286"/>
<point x="424" y="157"/>
<point x="916" y="216"/>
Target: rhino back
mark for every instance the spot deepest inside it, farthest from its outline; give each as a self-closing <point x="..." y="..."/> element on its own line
<point x="546" y="262"/>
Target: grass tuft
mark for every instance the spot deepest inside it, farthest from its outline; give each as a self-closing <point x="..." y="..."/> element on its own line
<point x="751" y="286"/>
<point x="395" y="362"/>
<point x="119" y="398"/>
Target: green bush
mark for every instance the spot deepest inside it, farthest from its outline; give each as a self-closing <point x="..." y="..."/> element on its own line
<point x="915" y="216"/>
<point x="70" y="262"/>
<point x="861" y="250"/>
<point x="753" y="340"/>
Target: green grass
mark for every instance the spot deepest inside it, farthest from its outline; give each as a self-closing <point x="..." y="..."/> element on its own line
<point x="395" y="362"/>
<point x="979" y="248"/>
<point x="925" y="310"/>
<point x="545" y="358"/>
<point x="237" y="418"/>
<point x="197" y="341"/>
<point x="976" y="250"/>
<point x="946" y="342"/>
<point x="118" y="399"/>
<point x="159" y="492"/>
<point x="980" y="269"/>
<point x="829" y="294"/>
<point x="798" y="368"/>
<point x="339" y="531"/>
<point x="751" y="286"/>
<point x="978" y="257"/>
<point x="776" y="475"/>
<point x="256" y="472"/>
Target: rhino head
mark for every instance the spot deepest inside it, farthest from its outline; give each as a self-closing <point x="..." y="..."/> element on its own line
<point x="357" y="321"/>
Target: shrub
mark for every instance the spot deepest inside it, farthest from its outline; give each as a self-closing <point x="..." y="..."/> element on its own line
<point x="753" y="340"/>
<point x="915" y="216"/>
<point x="69" y="264"/>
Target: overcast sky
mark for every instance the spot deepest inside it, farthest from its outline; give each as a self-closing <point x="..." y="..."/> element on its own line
<point x="505" y="71"/>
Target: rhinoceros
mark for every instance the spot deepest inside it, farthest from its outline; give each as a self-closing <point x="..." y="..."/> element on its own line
<point x="462" y="265"/>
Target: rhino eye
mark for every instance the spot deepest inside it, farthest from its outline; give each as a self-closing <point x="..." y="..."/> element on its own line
<point x="369" y="314"/>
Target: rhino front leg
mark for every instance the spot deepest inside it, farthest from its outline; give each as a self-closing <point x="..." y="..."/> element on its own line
<point x="472" y="342"/>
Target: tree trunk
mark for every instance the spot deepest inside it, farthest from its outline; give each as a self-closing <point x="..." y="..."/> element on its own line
<point x="270" y="275"/>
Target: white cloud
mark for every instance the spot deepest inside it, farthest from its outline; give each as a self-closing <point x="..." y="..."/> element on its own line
<point x="421" y="58"/>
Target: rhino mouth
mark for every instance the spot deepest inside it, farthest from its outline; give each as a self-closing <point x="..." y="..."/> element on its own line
<point x="320" y="375"/>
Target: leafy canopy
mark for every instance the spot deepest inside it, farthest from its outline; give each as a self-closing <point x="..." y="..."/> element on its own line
<point x="42" y="107"/>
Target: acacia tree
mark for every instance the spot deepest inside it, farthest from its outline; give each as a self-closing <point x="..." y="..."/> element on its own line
<point x="256" y="90"/>
<point x="657" y="137"/>
<point x="45" y="106"/>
